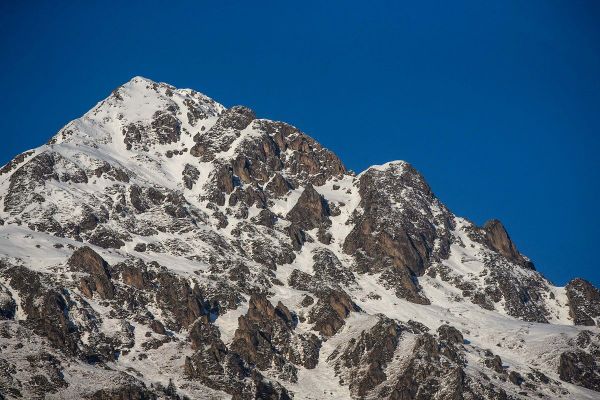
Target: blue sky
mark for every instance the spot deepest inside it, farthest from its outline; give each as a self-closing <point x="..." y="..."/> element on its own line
<point x="496" y="103"/>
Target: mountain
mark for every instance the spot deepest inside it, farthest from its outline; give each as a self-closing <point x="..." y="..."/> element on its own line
<point x="164" y="246"/>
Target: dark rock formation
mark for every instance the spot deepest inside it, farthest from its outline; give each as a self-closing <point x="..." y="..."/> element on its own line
<point x="331" y="310"/>
<point x="310" y="211"/>
<point x="97" y="279"/>
<point x="400" y="244"/>
<point x="584" y="302"/>
<point x="265" y="337"/>
<point x="580" y="368"/>
<point x="498" y="239"/>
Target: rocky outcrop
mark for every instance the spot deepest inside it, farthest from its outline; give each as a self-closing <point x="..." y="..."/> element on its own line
<point x="584" y="302"/>
<point x="580" y="368"/>
<point x="395" y="361"/>
<point x="220" y="137"/>
<point x="265" y="337"/>
<point x="329" y="313"/>
<point x="310" y="211"/>
<point x="46" y="307"/>
<point x="97" y="277"/>
<point x="498" y="239"/>
<point x="400" y="244"/>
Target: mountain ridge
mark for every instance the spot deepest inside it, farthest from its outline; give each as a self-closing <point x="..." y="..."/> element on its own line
<point x="162" y="223"/>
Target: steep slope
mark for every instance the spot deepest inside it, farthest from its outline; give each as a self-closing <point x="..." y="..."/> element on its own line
<point x="163" y="246"/>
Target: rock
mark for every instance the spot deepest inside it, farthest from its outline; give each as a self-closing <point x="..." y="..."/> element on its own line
<point x="7" y="304"/>
<point x="399" y="244"/>
<point x="450" y="334"/>
<point x="297" y="236"/>
<point x="158" y="327"/>
<point x="222" y="134"/>
<point x="494" y="362"/>
<point x="265" y="218"/>
<point x="515" y="378"/>
<point x="579" y="368"/>
<point x="498" y="239"/>
<point x="584" y="302"/>
<point x="190" y="175"/>
<point x="329" y="271"/>
<point x="278" y="186"/>
<point x="331" y="310"/>
<point x="47" y="310"/>
<point x="266" y="328"/>
<point x="181" y="303"/>
<point x="130" y="392"/>
<point x="98" y="280"/>
<point x="310" y="210"/>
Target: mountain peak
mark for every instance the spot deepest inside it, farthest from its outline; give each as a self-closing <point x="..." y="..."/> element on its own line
<point x="167" y="246"/>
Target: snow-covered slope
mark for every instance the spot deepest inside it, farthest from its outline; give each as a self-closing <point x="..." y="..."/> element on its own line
<point x="164" y="246"/>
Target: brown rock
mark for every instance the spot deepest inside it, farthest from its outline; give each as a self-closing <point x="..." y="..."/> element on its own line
<point x="498" y="239"/>
<point x="87" y="260"/>
<point x="310" y="211"/>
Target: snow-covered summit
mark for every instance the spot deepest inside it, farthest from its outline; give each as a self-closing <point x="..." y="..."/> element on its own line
<point x="164" y="245"/>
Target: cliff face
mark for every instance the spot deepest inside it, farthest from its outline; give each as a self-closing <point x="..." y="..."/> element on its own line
<point x="163" y="246"/>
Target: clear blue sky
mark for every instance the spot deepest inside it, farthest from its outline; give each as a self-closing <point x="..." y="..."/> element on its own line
<point x="496" y="103"/>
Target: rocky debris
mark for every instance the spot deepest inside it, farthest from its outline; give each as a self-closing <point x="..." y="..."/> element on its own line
<point x="310" y="211"/>
<point x="498" y="239"/>
<point x="580" y="368"/>
<point x="329" y="313"/>
<point x="265" y="337"/>
<point x="97" y="277"/>
<point x="584" y="302"/>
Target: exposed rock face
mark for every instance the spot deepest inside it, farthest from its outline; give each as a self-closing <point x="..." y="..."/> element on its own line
<point x="7" y="304"/>
<point x="580" y="368"/>
<point x="331" y="310"/>
<point x="265" y="337"/>
<point x="163" y="246"/>
<point x="98" y="280"/>
<point x="584" y="302"/>
<point x="393" y="361"/>
<point x="223" y="133"/>
<point x="497" y="238"/>
<point x="310" y="211"/>
<point x="399" y="244"/>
